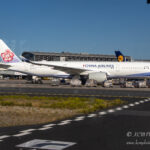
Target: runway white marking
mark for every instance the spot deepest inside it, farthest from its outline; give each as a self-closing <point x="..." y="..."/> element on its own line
<point x="49" y="125"/>
<point x="146" y="100"/>
<point x="136" y="103"/>
<point x="111" y="110"/>
<point x="131" y="105"/>
<point x="4" y="136"/>
<point x="102" y="113"/>
<point x="125" y="106"/>
<point x="118" y="108"/>
<point x="29" y="130"/>
<point x="141" y="101"/>
<point x="79" y="118"/>
<point x="22" y="134"/>
<point x="91" y="115"/>
<point x="65" y="122"/>
<point x="45" y="144"/>
<point x="46" y="128"/>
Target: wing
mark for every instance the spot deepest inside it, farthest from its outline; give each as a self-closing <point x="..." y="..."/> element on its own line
<point x="69" y="70"/>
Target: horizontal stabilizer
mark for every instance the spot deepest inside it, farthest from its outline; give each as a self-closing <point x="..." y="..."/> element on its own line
<point x="4" y="66"/>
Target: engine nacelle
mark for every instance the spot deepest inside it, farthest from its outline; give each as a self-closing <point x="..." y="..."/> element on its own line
<point x="98" y="76"/>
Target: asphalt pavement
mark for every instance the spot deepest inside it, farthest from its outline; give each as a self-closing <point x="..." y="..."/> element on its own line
<point x="21" y="87"/>
<point x="68" y="91"/>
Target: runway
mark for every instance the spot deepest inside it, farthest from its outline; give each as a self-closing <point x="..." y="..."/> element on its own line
<point x="125" y="127"/>
<point x="21" y="87"/>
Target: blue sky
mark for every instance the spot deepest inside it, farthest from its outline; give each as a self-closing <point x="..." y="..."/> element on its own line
<point x="90" y="26"/>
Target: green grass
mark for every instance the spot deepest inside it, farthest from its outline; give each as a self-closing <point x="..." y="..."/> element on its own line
<point x="82" y="104"/>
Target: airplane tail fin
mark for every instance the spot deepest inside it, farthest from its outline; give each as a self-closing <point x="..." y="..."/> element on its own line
<point x="120" y="56"/>
<point x="6" y="54"/>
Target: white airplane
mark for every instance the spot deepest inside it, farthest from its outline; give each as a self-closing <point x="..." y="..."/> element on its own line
<point x="99" y="71"/>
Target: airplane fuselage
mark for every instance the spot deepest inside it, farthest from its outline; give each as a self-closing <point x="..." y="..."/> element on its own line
<point x="112" y="69"/>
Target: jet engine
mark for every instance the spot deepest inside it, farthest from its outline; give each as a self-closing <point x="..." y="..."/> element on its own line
<point x="98" y="76"/>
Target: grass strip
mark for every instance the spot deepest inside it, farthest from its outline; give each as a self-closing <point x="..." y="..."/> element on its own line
<point x="24" y="109"/>
<point x="85" y="105"/>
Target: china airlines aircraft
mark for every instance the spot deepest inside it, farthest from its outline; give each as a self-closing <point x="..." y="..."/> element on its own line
<point x="99" y="71"/>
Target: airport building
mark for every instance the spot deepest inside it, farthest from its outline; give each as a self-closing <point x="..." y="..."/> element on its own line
<point x="66" y="56"/>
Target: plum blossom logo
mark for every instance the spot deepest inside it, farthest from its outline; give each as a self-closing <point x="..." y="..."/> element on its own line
<point x="7" y="56"/>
